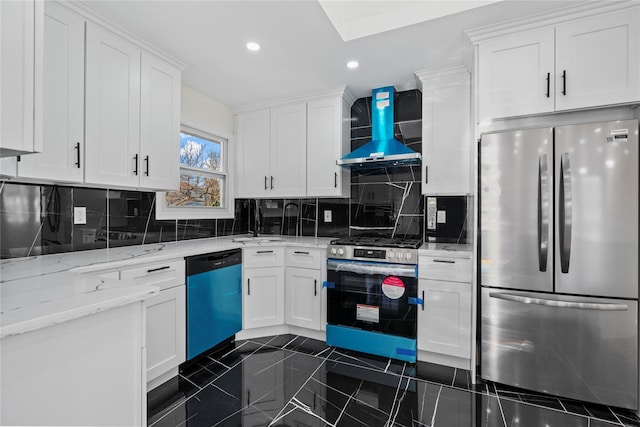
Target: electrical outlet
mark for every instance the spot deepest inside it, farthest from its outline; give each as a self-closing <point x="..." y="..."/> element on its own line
<point x="432" y="207"/>
<point x="327" y="216"/>
<point x="79" y="215"/>
<point x="442" y="217"/>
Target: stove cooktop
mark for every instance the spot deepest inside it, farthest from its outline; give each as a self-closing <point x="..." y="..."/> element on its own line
<point x="379" y="242"/>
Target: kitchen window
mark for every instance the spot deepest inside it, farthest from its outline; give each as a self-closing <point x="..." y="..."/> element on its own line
<point x="205" y="184"/>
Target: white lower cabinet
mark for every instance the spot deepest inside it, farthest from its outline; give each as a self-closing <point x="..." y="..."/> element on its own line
<point x="444" y="326"/>
<point x="262" y="386"/>
<point x="303" y="288"/>
<point x="165" y="318"/>
<point x="166" y="332"/>
<point x="444" y="320"/>
<point x="263" y="287"/>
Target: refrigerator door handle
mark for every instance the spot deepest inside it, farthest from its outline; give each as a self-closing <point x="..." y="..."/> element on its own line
<point x="565" y="212"/>
<point x="559" y="303"/>
<point x="543" y="212"/>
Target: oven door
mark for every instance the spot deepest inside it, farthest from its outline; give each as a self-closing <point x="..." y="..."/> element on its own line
<point x="373" y="296"/>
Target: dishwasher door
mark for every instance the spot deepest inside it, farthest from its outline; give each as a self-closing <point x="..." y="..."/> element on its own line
<point x="214" y="299"/>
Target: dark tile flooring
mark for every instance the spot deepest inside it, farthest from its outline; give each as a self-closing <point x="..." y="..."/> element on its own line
<point x="289" y="380"/>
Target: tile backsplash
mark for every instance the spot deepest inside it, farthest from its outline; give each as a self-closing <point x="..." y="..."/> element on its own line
<point x="38" y="219"/>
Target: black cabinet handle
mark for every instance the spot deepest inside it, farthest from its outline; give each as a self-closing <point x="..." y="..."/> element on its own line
<point x="422" y="301"/>
<point x="272" y="182"/>
<point x="444" y="261"/>
<point x="146" y="161"/>
<point x="315" y="287"/>
<point x="564" y="82"/>
<point x="426" y="174"/>
<point x="548" y="84"/>
<point x="301" y="252"/>
<point x="248" y="288"/>
<point x="264" y="252"/>
<point x="166" y="267"/>
<point x="265" y="182"/>
<point x="335" y="180"/>
<point x="78" y="155"/>
<point x="135" y="169"/>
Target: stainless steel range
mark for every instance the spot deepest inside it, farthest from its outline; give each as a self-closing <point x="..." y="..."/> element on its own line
<point x="372" y="295"/>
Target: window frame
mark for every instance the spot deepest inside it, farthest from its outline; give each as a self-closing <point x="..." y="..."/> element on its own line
<point x="164" y="212"/>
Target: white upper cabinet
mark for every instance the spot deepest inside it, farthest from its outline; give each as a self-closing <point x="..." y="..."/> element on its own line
<point x="515" y="75"/>
<point x="327" y="141"/>
<point x="61" y="159"/>
<point x="159" y="124"/>
<point x="598" y="61"/>
<point x="112" y="109"/>
<point x="132" y="115"/>
<point x="589" y="56"/>
<point x="446" y="131"/>
<point x="288" y="174"/>
<point x="20" y="77"/>
<point x="253" y="145"/>
<point x="290" y="149"/>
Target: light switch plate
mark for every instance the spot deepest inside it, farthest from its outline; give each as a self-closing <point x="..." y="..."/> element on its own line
<point x="442" y="217"/>
<point x="79" y="215"/>
<point x="327" y="216"/>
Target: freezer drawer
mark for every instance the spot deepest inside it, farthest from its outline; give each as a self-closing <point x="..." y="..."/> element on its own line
<point x="581" y="348"/>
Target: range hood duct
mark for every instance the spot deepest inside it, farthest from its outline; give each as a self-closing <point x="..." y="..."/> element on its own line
<point x="383" y="149"/>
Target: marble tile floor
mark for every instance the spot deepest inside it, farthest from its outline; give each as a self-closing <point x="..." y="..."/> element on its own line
<point x="292" y="381"/>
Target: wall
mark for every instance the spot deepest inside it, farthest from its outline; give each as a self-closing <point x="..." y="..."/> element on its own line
<point x="204" y="113"/>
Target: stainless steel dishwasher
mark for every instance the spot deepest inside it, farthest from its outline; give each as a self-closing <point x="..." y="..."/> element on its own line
<point x="214" y="299"/>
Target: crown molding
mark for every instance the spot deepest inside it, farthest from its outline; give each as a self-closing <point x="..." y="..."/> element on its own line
<point x="342" y="91"/>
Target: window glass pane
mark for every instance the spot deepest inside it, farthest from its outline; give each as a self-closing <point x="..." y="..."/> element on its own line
<point x="197" y="190"/>
<point x="200" y="153"/>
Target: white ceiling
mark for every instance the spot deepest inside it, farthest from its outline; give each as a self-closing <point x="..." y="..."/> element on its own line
<point x="302" y="52"/>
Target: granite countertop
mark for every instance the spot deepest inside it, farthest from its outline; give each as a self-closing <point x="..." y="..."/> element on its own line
<point x="36" y="292"/>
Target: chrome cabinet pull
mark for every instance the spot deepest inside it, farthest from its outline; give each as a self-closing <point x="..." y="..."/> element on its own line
<point x="543" y="212"/>
<point x="559" y="303"/>
<point x="565" y="212"/>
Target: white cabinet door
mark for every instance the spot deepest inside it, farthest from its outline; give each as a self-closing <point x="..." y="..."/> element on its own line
<point x="444" y="326"/>
<point x="516" y="75"/>
<point x="61" y="159"/>
<point x="159" y="124"/>
<point x="20" y="79"/>
<point x="166" y="331"/>
<point x="446" y="134"/>
<point x="288" y="174"/>
<point x="598" y="60"/>
<point x="112" y="114"/>
<point x="253" y="153"/>
<point x="326" y="142"/>
<point x="263" y="302"/>
<point x="263" y="390"/>
<point x="303" y="289"/>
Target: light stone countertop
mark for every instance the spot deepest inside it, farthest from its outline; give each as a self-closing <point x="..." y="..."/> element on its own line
<point x="36" y="292"/>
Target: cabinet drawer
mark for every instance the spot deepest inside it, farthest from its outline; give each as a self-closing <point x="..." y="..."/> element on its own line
<point x="304" y="258"/>
<point x="445" y="268"/>
<point x="262" y="257"/>
<point x="165" y="275"/>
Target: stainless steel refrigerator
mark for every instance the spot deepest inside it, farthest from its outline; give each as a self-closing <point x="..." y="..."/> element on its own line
<point x="559" y="260"/>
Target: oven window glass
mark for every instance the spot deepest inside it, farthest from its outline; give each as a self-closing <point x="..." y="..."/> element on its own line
<point x="373" y="302"/>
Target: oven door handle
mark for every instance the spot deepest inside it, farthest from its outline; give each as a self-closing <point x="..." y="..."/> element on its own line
<point x="401" y="270"/>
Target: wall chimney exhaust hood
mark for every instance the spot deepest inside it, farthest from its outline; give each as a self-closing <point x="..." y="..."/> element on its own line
<point x="383" y="149"/>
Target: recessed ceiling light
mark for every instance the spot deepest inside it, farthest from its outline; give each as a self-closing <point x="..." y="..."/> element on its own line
<point x="352" y="64"/>
<point x="253" y="46"/>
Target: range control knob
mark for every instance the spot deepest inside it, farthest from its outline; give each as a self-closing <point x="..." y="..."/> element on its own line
<point x="400" y="255"/>
<point x="333" y="251"/>
<point x="408" y="256"/>
<point x="340" y="251"/>
<point x="392" y="254"/>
